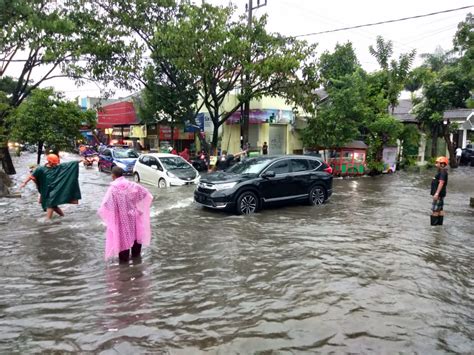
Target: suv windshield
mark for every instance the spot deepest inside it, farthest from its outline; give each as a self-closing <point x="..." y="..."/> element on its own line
<point x="249" y="166"/>
<point x="172" y="163"/>
<point x="124" y="154"/>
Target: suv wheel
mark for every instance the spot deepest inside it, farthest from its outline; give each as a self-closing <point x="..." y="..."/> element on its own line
<point x="247" y="203"/>
<point x="317" y="195"/>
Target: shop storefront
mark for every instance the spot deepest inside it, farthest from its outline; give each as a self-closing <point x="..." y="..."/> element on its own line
<point x="175" y="137"/>
<point x="276" y="127"/>
<point x="115" y="119"/>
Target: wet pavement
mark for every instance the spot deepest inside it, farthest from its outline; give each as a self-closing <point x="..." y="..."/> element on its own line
<point x="364" y="273"/>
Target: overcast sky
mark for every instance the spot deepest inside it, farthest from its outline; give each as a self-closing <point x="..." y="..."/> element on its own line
<point x="297" y="17"/>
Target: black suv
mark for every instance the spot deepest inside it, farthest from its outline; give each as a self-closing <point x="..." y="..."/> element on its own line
<point x="248" y="185"/>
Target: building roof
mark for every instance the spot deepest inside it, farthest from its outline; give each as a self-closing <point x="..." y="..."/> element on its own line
<point x="356" y="145"/>
<point x="459" y="113"/>
<point x="403" y="111"/>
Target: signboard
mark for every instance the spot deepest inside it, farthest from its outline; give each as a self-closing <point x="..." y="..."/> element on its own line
<point x="199" y="126"/>
<point x="137" y="131"/>
<point x="264" y="116"/>
<point x="165" y="134"/>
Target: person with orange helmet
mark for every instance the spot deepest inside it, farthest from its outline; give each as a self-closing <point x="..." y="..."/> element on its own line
<point x="438" y="191"/>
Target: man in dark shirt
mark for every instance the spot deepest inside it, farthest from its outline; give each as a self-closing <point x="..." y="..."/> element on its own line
<point x="438" y="191"/>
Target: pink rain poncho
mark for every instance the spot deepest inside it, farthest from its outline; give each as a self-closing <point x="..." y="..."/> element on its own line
<point x="125" y="210"/>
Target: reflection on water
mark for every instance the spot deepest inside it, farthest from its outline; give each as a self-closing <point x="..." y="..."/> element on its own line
<point x="365" y="273"/>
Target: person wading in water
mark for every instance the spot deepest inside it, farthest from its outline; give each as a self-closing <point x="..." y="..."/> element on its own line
<point x="438" y="191"/>
<point x="57" y="184"/>
<point x="125" y="210"/>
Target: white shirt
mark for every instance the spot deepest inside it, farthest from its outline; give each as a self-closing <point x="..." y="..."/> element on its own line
<point x="458" y="152"/>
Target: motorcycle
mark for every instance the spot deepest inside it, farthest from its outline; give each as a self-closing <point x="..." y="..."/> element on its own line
<point x="200" y="162"/>
<point x="89" y="157"/>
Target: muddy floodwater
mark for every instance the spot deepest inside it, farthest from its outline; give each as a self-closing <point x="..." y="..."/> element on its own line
<point x="364" y="273"/>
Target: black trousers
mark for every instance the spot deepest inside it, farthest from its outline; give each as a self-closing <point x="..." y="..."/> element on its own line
<point x="136" y="251"/>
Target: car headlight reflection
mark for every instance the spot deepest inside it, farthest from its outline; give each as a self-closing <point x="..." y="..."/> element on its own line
<point x="171" y="175"/>
<point x="121" y="165"/>
<point x="225" y="186"/>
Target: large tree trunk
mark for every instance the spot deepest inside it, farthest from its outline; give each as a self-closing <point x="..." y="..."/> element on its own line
<point x="6" y="159"/>
<point x="215" y="138"/>
<point x="40" y="151"/>
<point x="452" y="153"/>
<point x="434" y="142"/>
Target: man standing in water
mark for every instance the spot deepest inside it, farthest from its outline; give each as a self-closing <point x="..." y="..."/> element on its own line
<point x="125" y="210"/>
<point x="57" y="184"/>
<point x="438" y="191"/>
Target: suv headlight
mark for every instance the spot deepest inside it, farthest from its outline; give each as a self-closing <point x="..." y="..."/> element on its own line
<point x="171" y="175"/>
<point x="121" y="165"/>
<point x="225" y="186"/>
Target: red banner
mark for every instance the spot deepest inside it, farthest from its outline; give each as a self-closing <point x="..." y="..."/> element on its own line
<point x="165" y="133"/>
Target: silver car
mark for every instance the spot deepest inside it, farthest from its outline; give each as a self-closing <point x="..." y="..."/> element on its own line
<point x="164" y="170"/>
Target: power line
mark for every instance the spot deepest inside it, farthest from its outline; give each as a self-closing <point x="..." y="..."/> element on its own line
<point x="384" y="22"/>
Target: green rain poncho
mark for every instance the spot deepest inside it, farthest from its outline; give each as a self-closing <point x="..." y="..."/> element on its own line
<point x="58" y="185"/>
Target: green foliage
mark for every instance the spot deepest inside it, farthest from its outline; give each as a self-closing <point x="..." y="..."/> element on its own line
<point x="382" y="131"/>
<point x="332" y="66"/>
<point x="201" y="52"/>
<point x="449" y="87"/>
<point x="374" y="167"/>
<point x="464" y="45"/>
<point x="50" y="39"/>
<point x="393" y="73"/>
<point x="46" y="118"/>
<point x="417" y="77"/>
<point x="339" y="118"/>
<point x="410" y="138"/>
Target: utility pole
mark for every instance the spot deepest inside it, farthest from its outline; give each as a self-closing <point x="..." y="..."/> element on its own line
<point x="246" y="76"/>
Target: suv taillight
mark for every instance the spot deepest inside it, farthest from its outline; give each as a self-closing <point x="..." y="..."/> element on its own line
<point x="327" y="169"/>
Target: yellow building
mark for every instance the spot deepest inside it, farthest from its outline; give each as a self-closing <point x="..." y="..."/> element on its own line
<point x="271" y="120"/>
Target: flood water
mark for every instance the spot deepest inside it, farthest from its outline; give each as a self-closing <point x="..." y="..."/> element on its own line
<point x="364" y="273"/>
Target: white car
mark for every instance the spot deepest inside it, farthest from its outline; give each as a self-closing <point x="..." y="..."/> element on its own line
<point x="164" y="170"/>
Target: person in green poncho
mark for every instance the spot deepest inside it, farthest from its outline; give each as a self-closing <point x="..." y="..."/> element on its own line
<point x="57" y="184"/>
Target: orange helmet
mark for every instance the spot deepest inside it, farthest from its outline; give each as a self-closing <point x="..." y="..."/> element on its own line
<point x="442" y="160"/>
<point x="52" y="159"/>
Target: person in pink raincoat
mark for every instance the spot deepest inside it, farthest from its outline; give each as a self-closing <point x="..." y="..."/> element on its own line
<point x="125" y="210"/>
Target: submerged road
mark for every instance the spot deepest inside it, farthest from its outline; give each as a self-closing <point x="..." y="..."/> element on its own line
<point x="364" y="273"/>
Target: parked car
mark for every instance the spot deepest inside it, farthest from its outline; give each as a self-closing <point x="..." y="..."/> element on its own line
<point x="467" y="156"/>
<point x="249" y="185"/>
<point x="123" y="158"/>
<point x="164" y="170"/>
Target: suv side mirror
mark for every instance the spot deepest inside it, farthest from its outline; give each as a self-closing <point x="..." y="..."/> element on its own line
<point x="154" y="167"/>
<point x="268" y="174"/>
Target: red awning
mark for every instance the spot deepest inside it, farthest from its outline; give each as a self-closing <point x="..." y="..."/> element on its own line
<point x="116" y="114"/>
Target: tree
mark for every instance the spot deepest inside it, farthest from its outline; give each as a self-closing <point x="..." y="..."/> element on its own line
<point x="340" y="116"/>
<point x="211" y="49"/>
<point x="200" y="50"/>
<point x="394" y="73"/>
<point x="416" y="78"/>
<point x="46" y="119"/>
<point x="332" y="66"/>
<point x="450" y="87"/>
<point x="47" y="40"/>
<point x="448" y="90"/>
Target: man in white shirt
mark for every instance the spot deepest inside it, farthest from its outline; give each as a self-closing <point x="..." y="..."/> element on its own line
<point x="458" y="155"/>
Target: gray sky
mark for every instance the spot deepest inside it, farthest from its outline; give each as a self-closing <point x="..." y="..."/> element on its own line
<point x="295" y="17"/>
